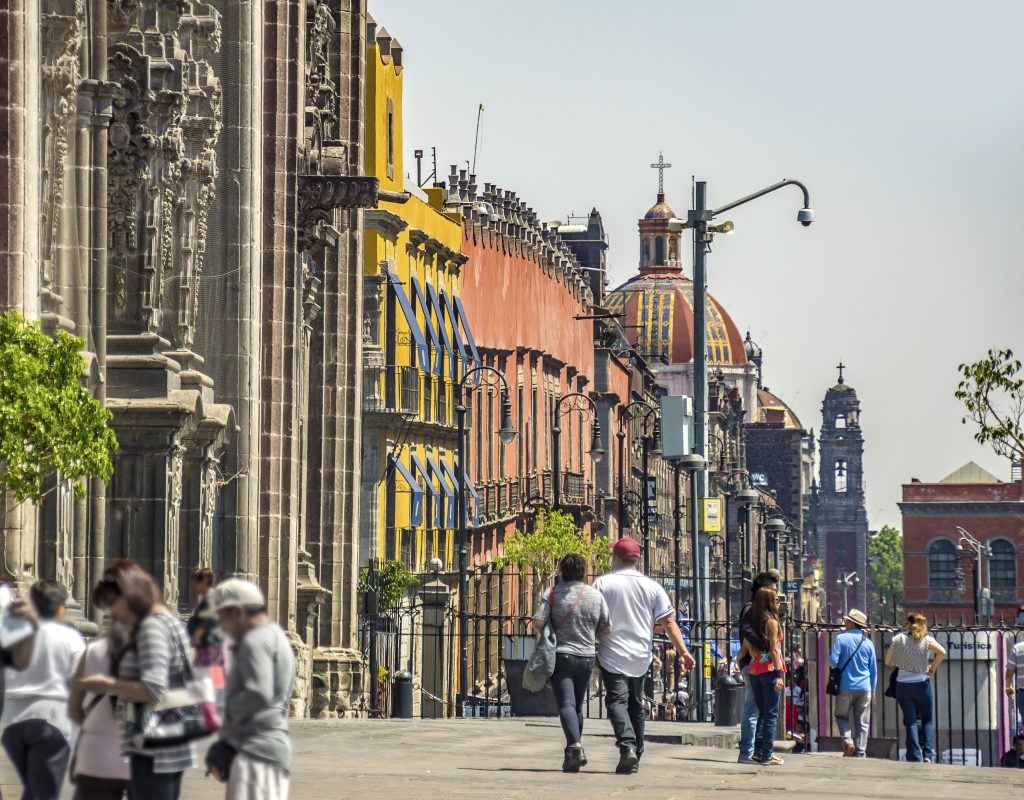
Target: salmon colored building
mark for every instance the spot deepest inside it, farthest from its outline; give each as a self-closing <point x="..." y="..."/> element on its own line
<point x="522" y="287"/>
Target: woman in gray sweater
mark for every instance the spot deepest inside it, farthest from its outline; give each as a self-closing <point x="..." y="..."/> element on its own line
<point x="917" y="656"/>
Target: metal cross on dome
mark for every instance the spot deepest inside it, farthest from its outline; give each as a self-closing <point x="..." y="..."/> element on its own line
<point x="661" y="166"/>
<point x="840" y="366"/>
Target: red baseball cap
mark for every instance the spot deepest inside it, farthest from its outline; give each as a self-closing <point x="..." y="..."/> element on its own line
<point x="627" y="548"/>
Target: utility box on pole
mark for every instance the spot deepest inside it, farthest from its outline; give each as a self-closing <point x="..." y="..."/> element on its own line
<point x="676" y="426"/>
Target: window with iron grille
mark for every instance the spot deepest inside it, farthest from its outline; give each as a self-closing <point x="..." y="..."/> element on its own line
<point x="942" y="565"/>
<point x="1003" y="565"/>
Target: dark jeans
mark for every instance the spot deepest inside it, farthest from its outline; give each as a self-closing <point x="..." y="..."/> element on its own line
<point x="149" y="785"/>
<point x="767" y="698"/>
<point x="624" y="699"/>
<point x="89" y="788"/>
<point x="39" y="753"/>
<point x="570" y="680"/>
<point x="916" y="701"/>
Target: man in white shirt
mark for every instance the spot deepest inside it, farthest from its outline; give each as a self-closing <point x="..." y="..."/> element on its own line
<point x="635" y="605"/>
<point x="35" y="717"/>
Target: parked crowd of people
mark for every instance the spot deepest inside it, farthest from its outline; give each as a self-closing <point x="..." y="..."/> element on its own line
<point x="123" y="714"/>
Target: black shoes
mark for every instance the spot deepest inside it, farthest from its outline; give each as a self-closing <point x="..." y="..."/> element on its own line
<point x="628" y="764"/>
<point x="574" y="758"/>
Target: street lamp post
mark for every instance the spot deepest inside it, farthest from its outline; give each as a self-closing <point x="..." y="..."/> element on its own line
<point x="597" y="449"/>
<point x="978" y="552"/>
<point x="774" y="528"/>
<point x="699" y="219"/>
<point x="649" y="442"/>
<point x="506" y="433"/>
<point x="621" y="436"/>
<point x="845" y="582"/>
<point x="746" y="499"/>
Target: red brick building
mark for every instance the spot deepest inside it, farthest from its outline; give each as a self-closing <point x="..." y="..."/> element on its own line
<point x="939" y="578"/>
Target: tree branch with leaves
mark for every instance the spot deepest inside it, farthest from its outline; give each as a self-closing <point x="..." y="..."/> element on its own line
<point x="992" y="390"/>
<point x="555" y="536"/>
<point x="50" y="425"/>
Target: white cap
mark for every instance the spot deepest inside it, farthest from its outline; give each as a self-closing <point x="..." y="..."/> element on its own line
<point x="236" y="592"/>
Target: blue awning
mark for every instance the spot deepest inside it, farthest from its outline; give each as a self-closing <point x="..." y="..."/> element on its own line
<point x="429" y="484"/>
<point x="410" y="316"/>
<point x="447" y="487"/>
<point x="454" y="319"/>
<point x="416" y="501"/>
<point x="465" y="327"/>
<point x="470" y="488"/>
<point x="453" y="354"/>
<point x="431" y="330"/>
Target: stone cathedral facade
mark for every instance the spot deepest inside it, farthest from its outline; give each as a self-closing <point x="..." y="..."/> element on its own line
<point x="180" y="186"/>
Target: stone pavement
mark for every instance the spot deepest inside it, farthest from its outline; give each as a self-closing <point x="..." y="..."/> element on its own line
<point x="384" y="759"/>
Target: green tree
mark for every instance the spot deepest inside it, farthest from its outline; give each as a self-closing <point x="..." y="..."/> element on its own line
<point x="555" y="535"/>
<point x="391" y="580"/>
<point x="992" y="390"/>
<point x="49" y="423"/>
<point x="885" y="568"/>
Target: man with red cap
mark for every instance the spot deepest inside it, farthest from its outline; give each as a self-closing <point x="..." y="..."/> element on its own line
<point x="635" y="605"/>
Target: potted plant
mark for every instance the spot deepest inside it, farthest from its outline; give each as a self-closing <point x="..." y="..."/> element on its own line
<point x="538" y="552"/>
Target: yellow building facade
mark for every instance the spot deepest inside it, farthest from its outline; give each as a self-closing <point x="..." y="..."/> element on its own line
<point x="415" y="340"/>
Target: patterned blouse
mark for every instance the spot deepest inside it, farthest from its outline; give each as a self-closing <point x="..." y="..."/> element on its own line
<point x="156" y="662"/>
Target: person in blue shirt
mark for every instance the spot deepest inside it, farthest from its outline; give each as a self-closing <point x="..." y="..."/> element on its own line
<point x="854" y="652"/>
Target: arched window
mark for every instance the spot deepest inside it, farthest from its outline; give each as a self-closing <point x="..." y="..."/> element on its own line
<point x="941" y="565"/>
<point x="645" y="253"/>
<point x="659" y="250"/>
<point x="673" y="248"/>
<point x="841" y="421"/>
<point x="1003" y="565"/>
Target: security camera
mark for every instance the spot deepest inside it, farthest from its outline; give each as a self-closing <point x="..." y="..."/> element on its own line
<point x="805" y="216"/>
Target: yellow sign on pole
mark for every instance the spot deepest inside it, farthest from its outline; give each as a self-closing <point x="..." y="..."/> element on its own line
<point x="707" y="660"/>
<point x="712" y="515"/>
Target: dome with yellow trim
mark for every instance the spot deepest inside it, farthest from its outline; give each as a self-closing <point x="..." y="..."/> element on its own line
<point x="658" y="303"/>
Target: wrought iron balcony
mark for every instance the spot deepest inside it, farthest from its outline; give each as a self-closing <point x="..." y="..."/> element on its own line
<point x="391" y="390"/>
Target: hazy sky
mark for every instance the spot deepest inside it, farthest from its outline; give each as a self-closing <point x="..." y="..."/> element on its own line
<point x="904" y="119"/>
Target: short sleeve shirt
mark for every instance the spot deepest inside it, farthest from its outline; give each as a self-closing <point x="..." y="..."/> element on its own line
<point x="635" y="604"/>
<point x="579" y="613"/>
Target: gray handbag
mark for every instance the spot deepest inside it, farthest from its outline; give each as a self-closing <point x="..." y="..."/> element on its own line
<point x="541" y="665"/>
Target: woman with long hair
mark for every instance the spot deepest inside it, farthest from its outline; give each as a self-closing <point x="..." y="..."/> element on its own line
<point x="767" y="671"/>
<point x="916" y="654"/>
<point x="578" y="613"/>
<point x="153" y="661"/>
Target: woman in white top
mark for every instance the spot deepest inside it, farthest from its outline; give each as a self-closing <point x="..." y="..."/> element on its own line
<point x="917" y="656"/>
<point x="98" y="768"/>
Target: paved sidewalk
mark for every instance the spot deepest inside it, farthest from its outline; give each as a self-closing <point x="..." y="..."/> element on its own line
<point x="522" y="759"/>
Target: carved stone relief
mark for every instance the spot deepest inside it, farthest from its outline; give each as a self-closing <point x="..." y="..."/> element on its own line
<point x="175" y="463"/>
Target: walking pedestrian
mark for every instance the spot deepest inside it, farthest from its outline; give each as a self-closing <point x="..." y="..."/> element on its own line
<point x="1014" y="678"/>
<point x="766" y="672"/>
<point x="202" y="625"/>
<point x="154" y="661"/>
<point x="748" y="632"/>
<point x="98" y="768"/>
<point x="254" y="752"/>
<point x="37" y="727"/>
<point x="911" y="653"/>
<point x="1014" y="757"/>
<point x="854" y="653"/>
<point x="578" y="614"/>
<point x="635" y="605"/>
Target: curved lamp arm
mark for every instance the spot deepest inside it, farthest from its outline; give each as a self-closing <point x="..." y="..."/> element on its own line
<point x="763" y="192"/>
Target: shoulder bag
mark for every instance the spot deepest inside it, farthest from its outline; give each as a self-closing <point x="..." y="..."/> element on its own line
<point x="542" y="661"/>
<point x="185" y="713"/>
<point x="835" y="674"/>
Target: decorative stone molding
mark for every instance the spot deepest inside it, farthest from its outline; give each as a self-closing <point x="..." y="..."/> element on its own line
<point x="321" y="195"/>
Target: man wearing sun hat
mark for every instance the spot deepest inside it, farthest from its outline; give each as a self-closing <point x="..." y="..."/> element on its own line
<point x="854" y="652"/>
<point x="635" y="605"/>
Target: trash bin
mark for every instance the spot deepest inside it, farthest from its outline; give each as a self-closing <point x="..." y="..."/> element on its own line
<point x="728" y="700"/>
<point x="401" y="696"/>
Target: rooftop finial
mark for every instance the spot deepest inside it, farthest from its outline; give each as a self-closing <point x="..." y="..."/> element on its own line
<point x="661" y="166"/>
<point x="841" y="366"/>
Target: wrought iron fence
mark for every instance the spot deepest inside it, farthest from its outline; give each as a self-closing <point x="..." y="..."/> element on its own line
<point x="975" y="719"/>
